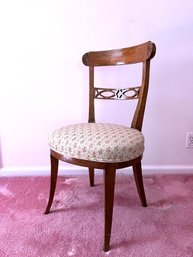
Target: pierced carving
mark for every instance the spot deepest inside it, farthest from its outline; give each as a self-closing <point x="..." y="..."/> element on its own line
<point x="117" y="94"/>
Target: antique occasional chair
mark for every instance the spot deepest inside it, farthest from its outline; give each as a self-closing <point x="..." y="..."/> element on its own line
<point x="103" y="145"/>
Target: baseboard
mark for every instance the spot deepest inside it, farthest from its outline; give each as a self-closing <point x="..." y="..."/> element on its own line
<point x="76" y="170"/>
<point x="168" y="169"/>
<point x="41" y="171"/>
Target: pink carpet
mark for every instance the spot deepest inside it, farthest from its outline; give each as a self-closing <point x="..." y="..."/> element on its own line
<point x="75" y="227"/>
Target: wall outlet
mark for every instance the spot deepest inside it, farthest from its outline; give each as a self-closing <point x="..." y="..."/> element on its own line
<point x="189" y="140"/>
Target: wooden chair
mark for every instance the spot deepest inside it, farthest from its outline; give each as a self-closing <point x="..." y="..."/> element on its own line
<point x="103" y="145"/>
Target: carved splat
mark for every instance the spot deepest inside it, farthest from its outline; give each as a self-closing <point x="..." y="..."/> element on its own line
<point x="117" y="94"/>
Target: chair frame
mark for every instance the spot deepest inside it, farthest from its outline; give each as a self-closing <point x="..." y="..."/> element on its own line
<point x="142" y="53"/>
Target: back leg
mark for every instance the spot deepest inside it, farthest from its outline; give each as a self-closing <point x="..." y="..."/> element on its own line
<point x="53" y="180"/>
<point x="91" y="176"/>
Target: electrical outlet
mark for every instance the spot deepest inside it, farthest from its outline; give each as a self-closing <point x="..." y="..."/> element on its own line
<point x="189" y="140"/>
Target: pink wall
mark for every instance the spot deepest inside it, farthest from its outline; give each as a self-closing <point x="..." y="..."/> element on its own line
<point x="44" y="84"/>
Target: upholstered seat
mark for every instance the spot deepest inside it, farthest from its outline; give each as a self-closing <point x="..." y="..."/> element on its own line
<point x="99" y="142"/>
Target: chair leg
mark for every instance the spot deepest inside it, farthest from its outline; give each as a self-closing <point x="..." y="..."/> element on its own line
<point x="91" y="176"/>
<point x="139" y="183"/>
<point x="109" y="186"/>
<point x="53" y="180"/>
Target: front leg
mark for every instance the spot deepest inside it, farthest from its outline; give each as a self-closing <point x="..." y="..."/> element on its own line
<point x="53" y="180"/>
<point x="109" y="186"/>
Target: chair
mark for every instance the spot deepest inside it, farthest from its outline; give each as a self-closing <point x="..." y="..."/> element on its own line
<point x="103" y="145"/>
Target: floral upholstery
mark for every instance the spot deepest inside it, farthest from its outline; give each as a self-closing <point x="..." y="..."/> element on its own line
<point x="100" y="142"/>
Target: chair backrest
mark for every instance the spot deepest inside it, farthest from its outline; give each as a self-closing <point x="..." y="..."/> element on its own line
<point x="142" y="53"/>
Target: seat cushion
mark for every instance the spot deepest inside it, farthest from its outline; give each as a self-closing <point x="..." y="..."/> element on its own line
<point x="100" y="142"/>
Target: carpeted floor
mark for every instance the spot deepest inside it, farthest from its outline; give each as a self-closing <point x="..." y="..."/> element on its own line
<point x="75" y="227"/>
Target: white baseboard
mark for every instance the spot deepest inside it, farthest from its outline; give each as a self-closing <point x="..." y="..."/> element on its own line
<point x="77" y="170"/>
<point x="41" y="171"/>
<point x="168" y="169"/>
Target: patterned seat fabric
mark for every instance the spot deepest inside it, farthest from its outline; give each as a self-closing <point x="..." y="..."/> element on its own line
<point x="100" y="142"/>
